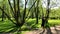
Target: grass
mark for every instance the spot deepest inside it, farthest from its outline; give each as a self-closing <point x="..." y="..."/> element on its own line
<point x="54" y="22"/>
<point x="7" y="25"/>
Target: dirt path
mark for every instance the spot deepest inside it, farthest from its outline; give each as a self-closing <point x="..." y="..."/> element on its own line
<point x="51" y="30"/>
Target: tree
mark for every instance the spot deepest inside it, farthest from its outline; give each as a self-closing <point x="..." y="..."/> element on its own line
<point x="19" y="18"/>
<point x="45" y="19"/>
<point x="37" y="10"/>
<point x="3" y="6"/>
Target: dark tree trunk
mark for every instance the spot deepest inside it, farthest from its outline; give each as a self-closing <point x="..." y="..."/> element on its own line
<point x="31" y="8"/>
<point x="32" y="16"/>
<point x="43" y="22"/>
<point x="37" y="10"/>
<point x="45" y="19"/>
<point x="47" y="11"/>
<point x="18" y="13"/>
<point x="10" y="6"/>
<point x="24" y="14"/>
<point x="2" y="15"/>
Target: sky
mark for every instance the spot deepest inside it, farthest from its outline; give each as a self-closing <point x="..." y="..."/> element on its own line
<point x="54" y="4"/>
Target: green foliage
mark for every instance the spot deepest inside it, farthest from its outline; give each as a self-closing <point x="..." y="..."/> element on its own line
<point x="8" y="26"/>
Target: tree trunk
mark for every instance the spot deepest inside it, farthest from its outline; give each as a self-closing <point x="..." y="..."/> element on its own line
<point x="45" y="19"/>
<point x="37" y="10"/>
<point x="2" y="15"/>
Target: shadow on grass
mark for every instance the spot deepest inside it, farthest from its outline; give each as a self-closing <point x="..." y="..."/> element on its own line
<point x="15" y="30"/>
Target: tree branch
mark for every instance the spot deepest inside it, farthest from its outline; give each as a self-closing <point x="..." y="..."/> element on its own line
<point x="7" y="16"/>
<point x="10" y="6"/>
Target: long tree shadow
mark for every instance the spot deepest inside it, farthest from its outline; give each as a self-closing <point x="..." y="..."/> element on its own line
<point x="57" y="30"/>
<point x="42" y="32"/>
<point x="46" y="31"/>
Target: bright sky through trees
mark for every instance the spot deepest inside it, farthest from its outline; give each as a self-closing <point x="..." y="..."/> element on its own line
<point x="54" y="4"/>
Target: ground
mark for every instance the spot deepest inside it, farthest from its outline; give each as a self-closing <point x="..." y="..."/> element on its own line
<point x="54" y="30"/>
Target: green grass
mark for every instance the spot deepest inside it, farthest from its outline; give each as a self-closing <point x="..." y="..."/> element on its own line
<point x="54" y="22"/>
<point x="7" y="25"/>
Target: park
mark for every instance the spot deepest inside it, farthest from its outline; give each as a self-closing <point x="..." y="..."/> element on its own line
<point x="29" y="17"/>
